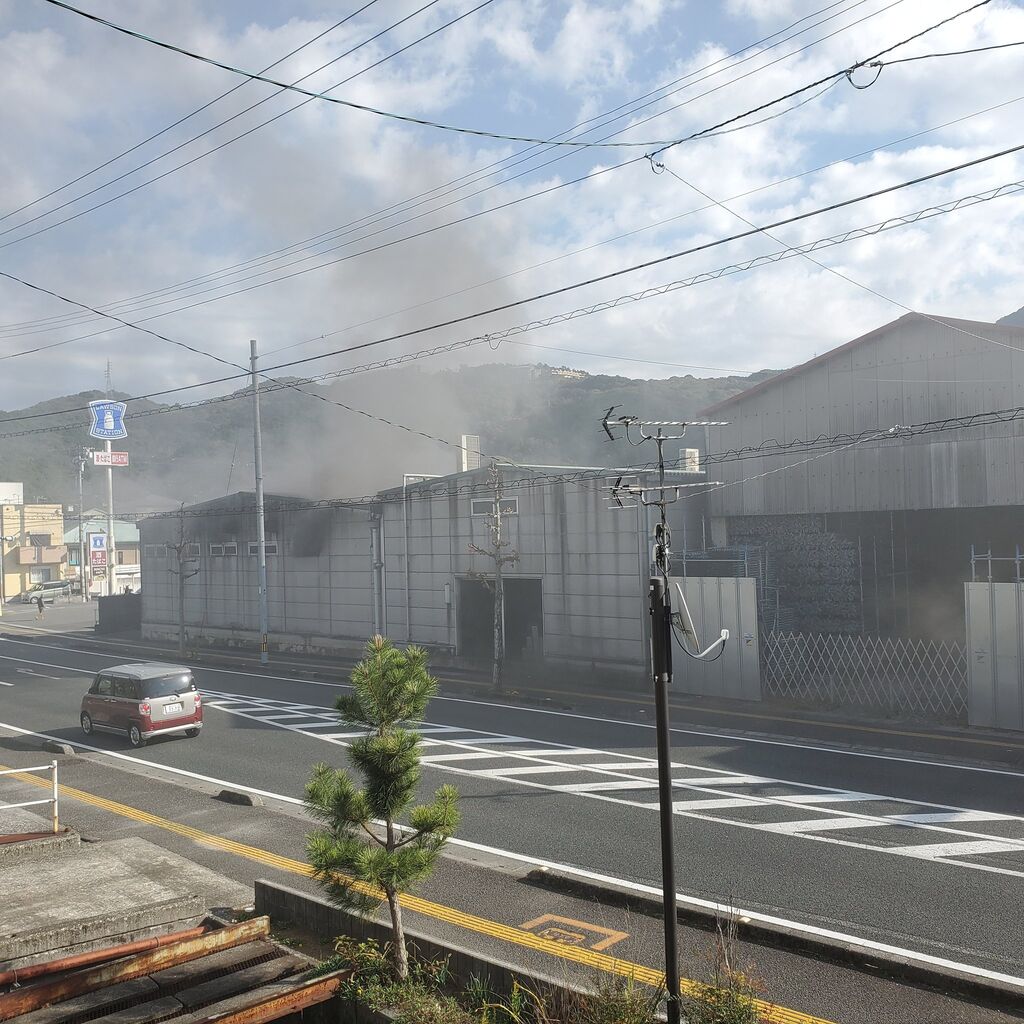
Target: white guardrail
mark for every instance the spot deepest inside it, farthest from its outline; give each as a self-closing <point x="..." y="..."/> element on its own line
<point x="53" y="800"/>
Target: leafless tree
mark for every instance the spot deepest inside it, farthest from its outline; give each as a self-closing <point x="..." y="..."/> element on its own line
<point x="501" y="553"/>
<point x="183" y="572"/>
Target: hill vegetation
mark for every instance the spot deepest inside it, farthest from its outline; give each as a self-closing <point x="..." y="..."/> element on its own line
<point x="329" y="448"/>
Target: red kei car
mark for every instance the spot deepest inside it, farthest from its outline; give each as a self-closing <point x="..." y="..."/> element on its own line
<point x="142" y="701"/>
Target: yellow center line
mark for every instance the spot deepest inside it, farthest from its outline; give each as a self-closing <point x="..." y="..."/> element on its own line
<point x="481" y="925"/>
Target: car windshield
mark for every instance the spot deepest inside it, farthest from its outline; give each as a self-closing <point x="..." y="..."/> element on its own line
<point x="168" y="686"/>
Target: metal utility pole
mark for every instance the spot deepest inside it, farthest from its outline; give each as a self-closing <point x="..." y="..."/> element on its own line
<point x="261" y="530"/>
<point x="636" y="433"/>
<point x="82" y="457"/>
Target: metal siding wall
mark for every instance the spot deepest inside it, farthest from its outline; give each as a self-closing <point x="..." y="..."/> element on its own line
<point x="718" y="603"/>
<point x="995" y="650"/>
<point x="912" y="372"/>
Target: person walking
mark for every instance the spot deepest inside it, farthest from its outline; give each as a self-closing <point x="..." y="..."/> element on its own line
<point x="39" y="606"/>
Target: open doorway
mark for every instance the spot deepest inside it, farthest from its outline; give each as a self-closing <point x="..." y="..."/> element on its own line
<point x="524" y="619"/>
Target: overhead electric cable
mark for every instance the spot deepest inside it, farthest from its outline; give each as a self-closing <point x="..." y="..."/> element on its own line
<point x="213" y="128"/>
<point x="182" y="120"/>
<point x="409" y="219"/>
<point x="824" y="266"/>
<point x="659" y="146"/>
<point x="608" y="276"/>
<point x="498" y="336"/>
<point x="327" y="334"/>
<point x="519" y="158"/>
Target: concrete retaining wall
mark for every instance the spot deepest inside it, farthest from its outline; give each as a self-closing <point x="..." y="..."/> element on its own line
<point x="322" y="918"/>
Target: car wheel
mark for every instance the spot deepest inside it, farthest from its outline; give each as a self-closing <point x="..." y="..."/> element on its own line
<point x="86" y="724"/>
<point x="135" y="737"/>
<point x="191" y="733"/>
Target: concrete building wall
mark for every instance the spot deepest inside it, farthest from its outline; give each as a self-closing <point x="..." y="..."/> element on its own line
<point x="911" y="371"/>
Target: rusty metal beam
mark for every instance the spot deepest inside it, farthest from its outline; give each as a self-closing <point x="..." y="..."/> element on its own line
<point x="96" y="956"/>
<point x="273" y="1007"/>
<point x="34" y="997"/>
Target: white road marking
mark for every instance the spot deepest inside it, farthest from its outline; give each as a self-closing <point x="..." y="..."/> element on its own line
<point x="2" y="683"/>
<point x="719" y="909"/>
<point x="533" y="769"/>
<point x="713" y="805"/>
<point x="831" y="819"/>
<point x="648" y="727"/>
<point x="474" y="756"/>
<point x="606" y="787"/>
<point x="836" y="797"/>
<point x="819" y="825"/>
<point x="933" y="851"/>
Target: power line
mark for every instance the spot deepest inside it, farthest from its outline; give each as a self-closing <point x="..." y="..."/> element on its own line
<point x="497" y="336"/>
<point x="392" y="242"/>
<point x="824" y="266"/>
<point x="949" y="53"/>
<point x="220" y="124"/>
<point x="660" y="146"/>
<point x="322" y="336"/>
<point x="414" y="235"/>
<point x="519" y="158"/>
<point x="182" y="120"/>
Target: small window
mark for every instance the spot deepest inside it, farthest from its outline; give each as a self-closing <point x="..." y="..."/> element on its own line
<point x="193" y="550"/>
<point x="40" y="540"/>
<point x="154" y="551"/>
<point x="230" y="548"/>
<point x="270" y="548"/>
<point x="217" y="550"/>
<point x="485" y="507"/>
<point x="120" y="557"/>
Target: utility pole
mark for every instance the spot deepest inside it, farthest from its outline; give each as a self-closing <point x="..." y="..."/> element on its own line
<point x="662" y="625"/>
<point x="496" y="552"/>
<point x="81" y="458"/>
<point x="261" y="530"/>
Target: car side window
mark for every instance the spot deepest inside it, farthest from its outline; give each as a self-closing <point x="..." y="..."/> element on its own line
<point x="124" y="688"/>
<point x="104" y="687"/>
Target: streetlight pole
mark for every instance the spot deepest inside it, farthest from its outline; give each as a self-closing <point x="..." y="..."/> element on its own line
<point x="261" y="532"/>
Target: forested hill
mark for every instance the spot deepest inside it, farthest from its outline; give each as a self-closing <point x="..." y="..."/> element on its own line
<point x="536" y="414"/>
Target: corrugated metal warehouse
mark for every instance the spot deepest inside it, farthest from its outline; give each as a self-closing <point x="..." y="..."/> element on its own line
<point x="877" y="535"/>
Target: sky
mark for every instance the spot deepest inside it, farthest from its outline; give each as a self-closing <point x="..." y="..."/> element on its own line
<point x="314" y="227"/>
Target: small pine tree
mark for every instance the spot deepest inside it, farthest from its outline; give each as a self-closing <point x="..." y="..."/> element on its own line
<point x="357" y="866"/>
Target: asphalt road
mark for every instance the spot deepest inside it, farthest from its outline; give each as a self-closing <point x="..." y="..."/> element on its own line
<point x="917" y="854"/>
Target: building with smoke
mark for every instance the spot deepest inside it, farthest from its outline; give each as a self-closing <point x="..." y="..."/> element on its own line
<point x="413" y="563"/>
<point x="859" y="491"/>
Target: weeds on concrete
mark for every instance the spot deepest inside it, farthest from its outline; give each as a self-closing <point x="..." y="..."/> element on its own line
<point x="733" y="995"/>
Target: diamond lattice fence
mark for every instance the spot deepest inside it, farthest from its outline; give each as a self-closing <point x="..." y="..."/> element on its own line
<point x="923" y="678"/>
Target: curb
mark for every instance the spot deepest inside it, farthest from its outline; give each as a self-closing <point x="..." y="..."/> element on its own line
<point x="778" y="935"/>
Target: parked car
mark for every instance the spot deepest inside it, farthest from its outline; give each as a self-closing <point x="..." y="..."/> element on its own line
<point x="142" y="701"/>
<point x="49" y="592"/>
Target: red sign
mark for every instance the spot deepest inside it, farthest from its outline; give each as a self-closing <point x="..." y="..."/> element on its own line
<point x="98" y="559"/>
<point x="110" y="458"/>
